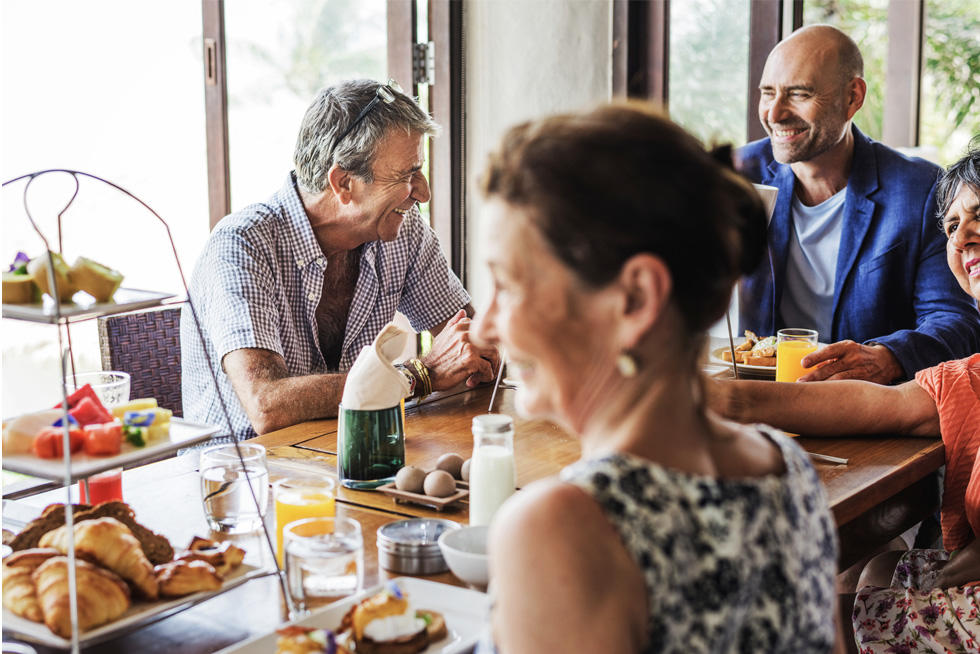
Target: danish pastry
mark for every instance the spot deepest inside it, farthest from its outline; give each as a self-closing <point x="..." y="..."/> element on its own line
<point x="179" y="578"/>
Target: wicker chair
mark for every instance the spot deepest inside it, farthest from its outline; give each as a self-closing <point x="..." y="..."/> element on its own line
<point x="146" y="344"/>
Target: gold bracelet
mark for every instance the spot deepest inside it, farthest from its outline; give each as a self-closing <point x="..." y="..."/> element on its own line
<point x="424" y="375"/>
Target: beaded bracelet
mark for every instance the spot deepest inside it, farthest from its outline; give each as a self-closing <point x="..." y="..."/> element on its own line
<point x="410" y="376"/>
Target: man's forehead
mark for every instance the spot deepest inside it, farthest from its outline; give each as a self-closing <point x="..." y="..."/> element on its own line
<point x="400" y="152"/>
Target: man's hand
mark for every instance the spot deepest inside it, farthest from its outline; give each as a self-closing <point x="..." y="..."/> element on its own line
<point x="454" y="357"/>
<point x="850" y="360"/>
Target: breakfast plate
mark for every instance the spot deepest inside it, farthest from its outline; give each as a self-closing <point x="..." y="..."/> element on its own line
<point x="138" y="615"/>
<point x="717" y="350"/>
<point x="465" y="611"/>
<point x="183" y="433"/>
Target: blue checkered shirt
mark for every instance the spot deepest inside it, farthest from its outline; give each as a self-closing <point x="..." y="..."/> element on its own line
<point x="259" y="280"/>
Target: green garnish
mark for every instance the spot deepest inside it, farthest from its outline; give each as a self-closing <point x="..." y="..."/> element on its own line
<point x="427" y="617"/>
<point x="135" y="435"/>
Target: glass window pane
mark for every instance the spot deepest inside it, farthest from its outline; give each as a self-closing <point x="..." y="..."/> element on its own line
<point x="112" y="88"/>
<point x="865" y="21"/>
<point x="950" y="110"/>
<point x="709" y="63"/>
<point x="279" y="54"/>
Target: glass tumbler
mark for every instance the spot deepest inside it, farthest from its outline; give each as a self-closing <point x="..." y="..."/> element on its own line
<point x="228" y="503"/>
<point x="791" y="346"/>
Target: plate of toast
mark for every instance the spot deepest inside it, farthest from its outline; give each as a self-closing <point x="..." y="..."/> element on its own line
<point x="126" y="575"/>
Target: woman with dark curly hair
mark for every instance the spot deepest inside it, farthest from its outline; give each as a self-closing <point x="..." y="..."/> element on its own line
<point x="919" y="600"/>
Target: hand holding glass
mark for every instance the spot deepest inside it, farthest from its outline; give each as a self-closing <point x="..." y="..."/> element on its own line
<point x="791" y="346"/>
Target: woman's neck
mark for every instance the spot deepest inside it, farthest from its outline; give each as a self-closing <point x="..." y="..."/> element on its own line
<point x="656" y="416"/>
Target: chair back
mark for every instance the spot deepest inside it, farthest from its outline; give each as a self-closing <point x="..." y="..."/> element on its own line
<point x="146" y="344"/>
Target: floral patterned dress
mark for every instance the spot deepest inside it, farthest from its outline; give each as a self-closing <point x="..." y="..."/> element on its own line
<point x="730" y="565"/>
<point x="903" y="619"/>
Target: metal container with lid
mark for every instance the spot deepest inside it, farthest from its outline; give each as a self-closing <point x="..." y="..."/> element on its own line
<point x="412" y="546"/>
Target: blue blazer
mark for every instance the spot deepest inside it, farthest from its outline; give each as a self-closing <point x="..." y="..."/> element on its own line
<point x="893" y="285"/>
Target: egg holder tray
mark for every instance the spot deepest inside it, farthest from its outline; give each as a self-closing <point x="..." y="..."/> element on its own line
<point x="437" y="503"/>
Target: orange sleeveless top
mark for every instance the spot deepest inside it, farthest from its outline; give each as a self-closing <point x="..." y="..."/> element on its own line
<point x="955" y="387"/>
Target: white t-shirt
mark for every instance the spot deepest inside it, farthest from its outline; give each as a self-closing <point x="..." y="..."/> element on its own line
<point x="811" y="265"/>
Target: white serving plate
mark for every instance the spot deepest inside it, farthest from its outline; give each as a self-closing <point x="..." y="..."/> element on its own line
<point x="466" y="613"/>
<point x="139" y="614"/>
<point x="84" y="306"/>
<point x="182" y="434"/>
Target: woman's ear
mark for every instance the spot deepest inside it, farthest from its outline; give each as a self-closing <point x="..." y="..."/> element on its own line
<point x="645" y="283"/>
<point x="340" y="183"/>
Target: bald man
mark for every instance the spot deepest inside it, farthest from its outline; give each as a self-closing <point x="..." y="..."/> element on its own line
<point x="855" y="251"/>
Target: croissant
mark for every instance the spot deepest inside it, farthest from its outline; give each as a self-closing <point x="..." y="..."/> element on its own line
<point x="179" y="578"/>
<point x="18" y="588"/>
<point x="102" y="596"/>
<point x="109" y="543"/>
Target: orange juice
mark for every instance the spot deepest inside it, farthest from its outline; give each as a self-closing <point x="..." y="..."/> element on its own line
<point x="788" y="357"/>
<point x="296" y="503"/>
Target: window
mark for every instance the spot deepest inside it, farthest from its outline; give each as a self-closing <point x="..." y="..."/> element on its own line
<point x="114" y="89"/>
<point x="279" y="54"/>
<point x="709" y="59"/>
<point x="950" y="101"/>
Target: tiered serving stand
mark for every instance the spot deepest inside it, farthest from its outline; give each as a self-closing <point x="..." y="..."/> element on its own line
<point x="52" y="311"/>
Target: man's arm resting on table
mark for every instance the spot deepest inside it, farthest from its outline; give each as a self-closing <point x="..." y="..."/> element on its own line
<point x="272" y="399"/>
<point x="829" y="408"/>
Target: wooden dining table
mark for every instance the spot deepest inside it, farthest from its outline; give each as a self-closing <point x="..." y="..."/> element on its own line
<point x="888" y="484"/>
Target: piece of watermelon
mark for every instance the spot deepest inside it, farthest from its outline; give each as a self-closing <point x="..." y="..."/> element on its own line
<point x="90" y="412"/>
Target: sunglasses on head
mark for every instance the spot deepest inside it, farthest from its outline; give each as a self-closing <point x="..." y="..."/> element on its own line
<point x="385" y="93"/>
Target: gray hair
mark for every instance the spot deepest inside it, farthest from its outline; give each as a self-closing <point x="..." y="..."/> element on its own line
<point x="333" y="109"/>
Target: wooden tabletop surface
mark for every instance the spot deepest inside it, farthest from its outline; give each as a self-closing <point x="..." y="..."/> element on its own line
<point x="166" y="497"/>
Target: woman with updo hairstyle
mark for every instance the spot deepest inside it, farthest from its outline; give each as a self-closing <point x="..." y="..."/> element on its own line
<point x="613" y="243"/>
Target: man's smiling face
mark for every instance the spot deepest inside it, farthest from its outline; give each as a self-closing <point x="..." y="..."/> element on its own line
<point x="803" y="101"/>
<point x="398" y="183"/>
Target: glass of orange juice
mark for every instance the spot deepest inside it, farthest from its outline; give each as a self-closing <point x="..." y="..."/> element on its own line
<point x="302" y="497"/>
<point x="791" y="346"/>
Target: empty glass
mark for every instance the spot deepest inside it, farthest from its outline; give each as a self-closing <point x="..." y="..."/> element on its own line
<point x="228" y="503"/>
<point x="110" y="386"/>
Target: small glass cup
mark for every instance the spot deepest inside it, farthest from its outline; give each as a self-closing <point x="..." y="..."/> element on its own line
<point x="228" y="504"/>
<point x="302" y="497"/>
<point x="324" y="560"/>
<point x="103" y="487"/>
<point x="110" y="386"/>
<point x="791" y="346"/>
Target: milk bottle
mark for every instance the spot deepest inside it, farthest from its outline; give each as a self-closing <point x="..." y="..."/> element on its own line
<point x="493" y="477"/>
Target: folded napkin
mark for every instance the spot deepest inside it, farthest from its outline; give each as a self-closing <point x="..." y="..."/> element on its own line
<point x="373" y="382"/>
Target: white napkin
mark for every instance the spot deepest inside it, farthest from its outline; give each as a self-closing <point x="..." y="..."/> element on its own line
<point x="373" y="382"/>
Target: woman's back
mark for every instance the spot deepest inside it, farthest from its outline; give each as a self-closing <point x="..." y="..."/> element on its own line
<point x="730" y="565"/>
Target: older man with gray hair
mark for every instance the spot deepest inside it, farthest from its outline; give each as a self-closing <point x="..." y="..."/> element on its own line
<point x="287" y="292"/>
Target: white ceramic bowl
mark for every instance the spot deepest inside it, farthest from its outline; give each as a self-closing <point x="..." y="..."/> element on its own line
<point x="465" y="550"/>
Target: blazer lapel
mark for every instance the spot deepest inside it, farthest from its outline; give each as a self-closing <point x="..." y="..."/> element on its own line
<point x="858" y="211"/>
<point x="779" y="232"/>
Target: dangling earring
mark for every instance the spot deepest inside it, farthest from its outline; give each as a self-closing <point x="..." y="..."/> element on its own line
<point x="626" y="365"/>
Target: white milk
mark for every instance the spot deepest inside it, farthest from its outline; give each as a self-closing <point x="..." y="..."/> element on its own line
<point x="493" y="479"/>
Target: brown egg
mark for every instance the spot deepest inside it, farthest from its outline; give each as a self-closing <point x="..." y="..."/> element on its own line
<point x="464" y="472"/>
<point x="439" y="483"/>
<point x="451" y="463"/>
<point x="410" y="479"/>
